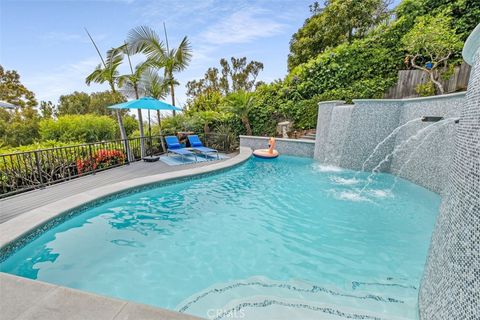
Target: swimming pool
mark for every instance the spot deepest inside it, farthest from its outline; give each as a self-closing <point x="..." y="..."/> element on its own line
<point x="279" y="238"/>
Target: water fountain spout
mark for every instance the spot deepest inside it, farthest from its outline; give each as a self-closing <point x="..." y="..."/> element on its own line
<point x="431" y="119"/>
<point x="435" y="119"/>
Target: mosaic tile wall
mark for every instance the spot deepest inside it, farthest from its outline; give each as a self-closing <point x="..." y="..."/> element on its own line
<point x="371" y="121"/>
<point x="426" y="160"/>
<point x="323" y="125"/>
<point x="292" y="147"/>
<point x="451" y="283"/>
<point x="348" y="135"/>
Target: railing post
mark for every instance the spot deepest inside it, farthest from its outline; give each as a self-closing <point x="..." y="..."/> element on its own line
<point x="39" y="169"/>
<point x="127" y="150"/>
<point x="91" y="158"/>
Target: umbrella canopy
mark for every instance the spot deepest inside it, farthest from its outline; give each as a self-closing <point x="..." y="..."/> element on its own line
<point x="6" y="105"/>
<point x="145" y="103"/>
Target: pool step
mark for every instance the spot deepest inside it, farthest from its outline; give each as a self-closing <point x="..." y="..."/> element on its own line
<point x="257" y="297"/>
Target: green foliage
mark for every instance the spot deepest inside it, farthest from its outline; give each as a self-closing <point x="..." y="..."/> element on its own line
<point x="240" y="103"/>
<point x="235" y="75"/>
<point x="432" y="37"/>
<point x="34" y="146"/>
<point x="177" y="123"/>
<point x="20" y="132"/>
<point x="425" y="89"/>
<point x="205" y="101"/>
<point x="338" y="22"/>
<point x="84" y="103"/>
<point x="130" y="124"/>
<point x="81" y="128"/>
<point x="145" y="40"/>
<point x="13" y="91"/>
<point x="47" y="109"/>
<point x="433" y="40"/>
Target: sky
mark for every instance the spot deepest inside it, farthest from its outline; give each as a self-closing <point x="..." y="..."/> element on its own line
<point x="46" y="43"/>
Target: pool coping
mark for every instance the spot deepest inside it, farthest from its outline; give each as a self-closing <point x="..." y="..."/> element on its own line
<point x="14" y="229"/>
<point x="28" y="299"/>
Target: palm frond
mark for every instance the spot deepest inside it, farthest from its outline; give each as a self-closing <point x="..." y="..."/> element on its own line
<point x="145" y="40"/>
<point x="182" y="55"/>
<point x="96" y="76"/>
<point x="154" y="84"/>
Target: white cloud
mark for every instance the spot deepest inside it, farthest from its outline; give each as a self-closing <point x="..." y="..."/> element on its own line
<point x="242" y="26"/>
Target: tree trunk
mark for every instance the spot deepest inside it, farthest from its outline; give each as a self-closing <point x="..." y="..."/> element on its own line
<point x="142" y="134"/>
<point x="172" y="92"/>
<point x="140" y="125"/>
<point x="123" y="132"/>
<point x="160" y="130"/>
<point x="123" y="135"/>
<point x="436" y="82"/>
<point x="246" y="123"/>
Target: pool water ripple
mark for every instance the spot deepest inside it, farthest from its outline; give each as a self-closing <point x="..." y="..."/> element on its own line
<point x="284" y="220"/>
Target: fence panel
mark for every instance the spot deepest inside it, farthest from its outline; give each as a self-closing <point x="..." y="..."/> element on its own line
<point x="25" y="171"/>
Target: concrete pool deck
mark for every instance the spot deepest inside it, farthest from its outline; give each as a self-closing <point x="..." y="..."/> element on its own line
<point x="22" y="298"/>
<point x="27" y="299"/>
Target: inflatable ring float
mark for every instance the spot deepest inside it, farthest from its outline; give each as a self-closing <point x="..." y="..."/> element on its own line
<point x="269" y="153"/>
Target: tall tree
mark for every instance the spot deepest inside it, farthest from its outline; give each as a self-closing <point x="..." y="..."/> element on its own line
<point x="47" y="109"/>
<point x="130" y="83"/>
<point x="13" y="91"/>
<point x="144" y="39"/>
<point x="156" y="87"/>
<point x="234" y="76"/>
<point x="19" y="127"/>
<point x="107" y="71"/>
<point x="433" y="41"/>
<point x="74" y="103"/>
<point x="337" y="22"/>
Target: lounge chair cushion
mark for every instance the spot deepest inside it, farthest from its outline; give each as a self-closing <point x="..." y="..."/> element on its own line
<point x="174" y="145"/>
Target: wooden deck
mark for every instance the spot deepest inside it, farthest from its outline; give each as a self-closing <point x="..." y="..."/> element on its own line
<point x="16" y="205"/>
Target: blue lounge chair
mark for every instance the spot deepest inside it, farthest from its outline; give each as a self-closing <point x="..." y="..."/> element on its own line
<point x="198" y="146"/>
<point x="174" y="146"/>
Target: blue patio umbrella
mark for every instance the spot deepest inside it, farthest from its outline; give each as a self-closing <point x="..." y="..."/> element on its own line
<point x="146" y="103"/>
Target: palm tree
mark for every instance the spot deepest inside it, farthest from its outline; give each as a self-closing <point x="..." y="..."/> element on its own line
<point x="240" y="103"/>
<point x="107" y="72"/>
<point x="131" y="87"/>
<point x="155" y="86"/>
<point x="145" y="39"/>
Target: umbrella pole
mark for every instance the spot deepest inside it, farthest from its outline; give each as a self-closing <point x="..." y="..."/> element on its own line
<point x="150" y="133"/>
<point x="160" y="131"/>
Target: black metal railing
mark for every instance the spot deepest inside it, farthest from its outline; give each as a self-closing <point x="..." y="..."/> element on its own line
<point x="23" y="171"/>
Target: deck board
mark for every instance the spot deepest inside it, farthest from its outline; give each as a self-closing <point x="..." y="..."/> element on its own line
<point x="14" y="206"/>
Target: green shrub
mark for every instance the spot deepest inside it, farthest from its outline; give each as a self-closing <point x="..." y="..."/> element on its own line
<point x="425" y="89"/>
<point x="81" y="128"/>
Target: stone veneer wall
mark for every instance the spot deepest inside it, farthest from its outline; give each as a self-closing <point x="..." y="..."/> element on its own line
<point x="348" y="134"/>
<point x="450" y="286"/>
<point x="292" y="147"/>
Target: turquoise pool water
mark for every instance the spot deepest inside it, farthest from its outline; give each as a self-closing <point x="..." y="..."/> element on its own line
<point x="281" y="239"/>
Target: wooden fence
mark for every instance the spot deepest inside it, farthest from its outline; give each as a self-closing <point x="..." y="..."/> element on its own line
<point x="409" y="79"/>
